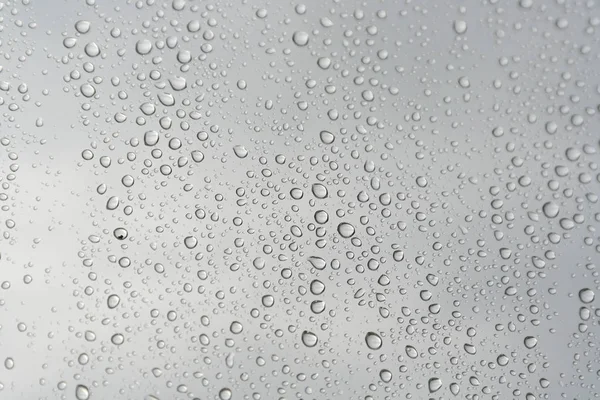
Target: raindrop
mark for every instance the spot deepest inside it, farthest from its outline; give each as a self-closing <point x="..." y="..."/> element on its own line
<point x="236" y="328"/>
<point x="587" y="295"/>
<point x="434" y="384"/>
<point x="240" y="151"/>
<point x="309" y="339"/>
<point x="82" y="392"/>
<point x="373" y="341"/>
<point x="346" y="230"/>
<point x="300" y="38"/>
<point x="143" y="46"/>
<point x="113" y="301"/>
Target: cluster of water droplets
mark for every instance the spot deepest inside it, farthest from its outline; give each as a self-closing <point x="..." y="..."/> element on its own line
<point x="319" y="200"/>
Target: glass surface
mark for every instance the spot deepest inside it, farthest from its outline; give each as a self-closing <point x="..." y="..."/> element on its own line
<point x="324" y="199"/>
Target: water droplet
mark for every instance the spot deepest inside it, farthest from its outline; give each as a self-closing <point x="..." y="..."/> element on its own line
<point x="112" y="203"/>
<point x="587" y="295"/>
<point x="83" y="26"/>
<point x="460" y="27"/>
<point x="346" y="230"/>
<point x="317" y="306"/>
<point x="300" y="38"/>
<point x="225" y="394"/>
<point x="190" y="242"/>
<point x="113" y="301"/>
<point x="317" y="262"/>
<point x="120" y="233"/>
<point x="82" y="392"/>
<point x="92" y="49"/>
<point x="551" y="209"/>
<point x="240" y="151"/>
<point x="9" y="363"/>
<point x="87" y="90"/>
<point x="236" y="328"/>
<point x="530" y="342"/>
<point x="327" y="137"/>
<point x="319" y="191"/>
<point x="385" y="375"/>
<point x="309" y="339"/>
<point x="317" y="287"/>
<point x="373" y="340"/>
<point x="434" y="384"/>
<point x="117" y="339"/>
<point x="151" y="138"/>
<point x="143" y="47"/>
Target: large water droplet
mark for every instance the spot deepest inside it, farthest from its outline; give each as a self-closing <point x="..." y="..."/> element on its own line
<point x="587" y="295"/>
<point x="300" y="38"/>
<point x="373" y="340"/>
<point x="82" y="392"/>
<point x="309" y="339"/>
<point x="434" y="384"/>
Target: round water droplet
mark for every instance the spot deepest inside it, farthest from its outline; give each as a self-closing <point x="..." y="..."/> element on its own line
<point x="309" y="339"/>
<point x="300" y="38"/>
<point x="296" y="193"/>
<point x="530" y="342"/>
<point x="127" y="180"/>
<point x="143" y="46"/>
<point x="321" y="217"/>
<point x="317" y="306"/>
<point x="317" y="287"/>
<point x="385" y="375"/>
<point x="83" y="26"/>
<point x="319" y="191"/>
<point x="373" y="340"/>
<point x="87" y="90"/>
<point x="434" y="384"/>
<point x="105" y="161"/>
<point x="241" y="84"/>
<point x="197" y="156"/>
<point x="190" y="242"/>
<point x="259" y="263"/>
<point x="398" y="255"/>
<point x="151" y="138"/>
<point x="268" y="300"/>
<point x="120" y="233"/>
<point x="236" y="328"/>
<point x="346" y="230"/>
<point x="112" y="203"/>
<point x="460" y="26"/>
<point x="551" y="209"/>
<point x="526" y="3"/>
<point x="117" y="339"/>
<point x="411" y="352"/>
<point x="92" y="49"/>
<point x="587" y="295"/>
<point x="225" y="394"/>
<point x="113" y="301"/>
<point x="261" y="13"/>
<point x="69" y="43"/>
<point x="87" y="154"/>
<point x="327" y="137"/>
<point x="82" y="392"/>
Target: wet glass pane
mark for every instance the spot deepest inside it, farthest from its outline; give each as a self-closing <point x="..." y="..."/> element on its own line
<point x="317" y="200"/>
